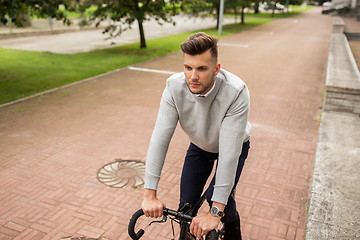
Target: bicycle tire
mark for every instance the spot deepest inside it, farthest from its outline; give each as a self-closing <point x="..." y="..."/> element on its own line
<point x="131" y="227"/>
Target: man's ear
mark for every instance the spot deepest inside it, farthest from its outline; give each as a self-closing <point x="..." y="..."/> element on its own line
<point x="217" y="69"/>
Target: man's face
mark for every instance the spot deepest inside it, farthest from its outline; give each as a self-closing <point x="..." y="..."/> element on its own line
<point x="200" y="71"/>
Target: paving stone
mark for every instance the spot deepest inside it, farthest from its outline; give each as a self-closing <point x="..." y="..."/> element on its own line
<point x="59" y="141"/>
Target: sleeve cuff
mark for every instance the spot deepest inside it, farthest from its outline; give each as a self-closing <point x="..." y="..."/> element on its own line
<point x="221" y="195"/>
<point x="151" y="182"/>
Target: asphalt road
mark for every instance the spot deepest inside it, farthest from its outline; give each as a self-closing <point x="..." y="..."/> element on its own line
<point x="83" y="41"/>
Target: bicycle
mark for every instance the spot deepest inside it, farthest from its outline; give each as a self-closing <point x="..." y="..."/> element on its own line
<point x="183" y="217"/>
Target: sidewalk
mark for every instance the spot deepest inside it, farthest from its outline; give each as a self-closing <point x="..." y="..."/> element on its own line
<point x="51" y="147"/>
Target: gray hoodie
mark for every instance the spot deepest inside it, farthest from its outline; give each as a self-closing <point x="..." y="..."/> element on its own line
<point x="216" y="123"/>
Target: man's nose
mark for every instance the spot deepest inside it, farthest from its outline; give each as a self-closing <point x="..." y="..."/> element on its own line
<point x="194" y="75"/>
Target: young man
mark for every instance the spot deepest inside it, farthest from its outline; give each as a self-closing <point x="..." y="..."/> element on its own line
<point x="212" y="106"/>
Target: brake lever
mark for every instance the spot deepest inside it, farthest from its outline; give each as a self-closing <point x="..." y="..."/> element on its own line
<point x="161" y="221"/>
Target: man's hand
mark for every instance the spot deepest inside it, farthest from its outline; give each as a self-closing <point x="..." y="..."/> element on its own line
<point x="151" y="205"/>
<point x="203" y="223"/>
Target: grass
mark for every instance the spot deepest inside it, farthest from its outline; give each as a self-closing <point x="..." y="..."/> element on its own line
<point x="24" y="73"/>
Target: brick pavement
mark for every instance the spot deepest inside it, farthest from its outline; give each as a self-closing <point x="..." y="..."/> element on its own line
<point x="52" y="146"/>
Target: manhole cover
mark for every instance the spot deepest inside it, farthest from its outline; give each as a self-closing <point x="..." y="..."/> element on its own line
<point x="122" y="173"/>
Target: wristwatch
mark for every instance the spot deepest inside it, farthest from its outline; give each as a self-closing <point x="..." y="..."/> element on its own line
<point x="215" y="211"/>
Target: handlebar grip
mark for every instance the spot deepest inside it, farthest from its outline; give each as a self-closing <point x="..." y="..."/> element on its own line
<point x="131" y="228"/>
<point x="212" y="235"/>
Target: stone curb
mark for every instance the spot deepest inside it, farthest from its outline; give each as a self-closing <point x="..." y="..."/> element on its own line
<point x="35" y="33"/>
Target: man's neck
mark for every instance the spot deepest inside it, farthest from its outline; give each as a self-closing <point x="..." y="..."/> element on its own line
<point x="208" y="92"/>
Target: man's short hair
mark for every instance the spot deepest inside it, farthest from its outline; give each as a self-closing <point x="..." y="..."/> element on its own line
<point x="199" y="43"/>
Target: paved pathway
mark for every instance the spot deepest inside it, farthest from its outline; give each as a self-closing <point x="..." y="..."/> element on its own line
<point x="52" y="146"/>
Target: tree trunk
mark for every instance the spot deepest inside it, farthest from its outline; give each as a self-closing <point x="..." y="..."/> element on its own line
<point x="142" y="34"/>
<point x="242" y="15"/>
<point x="256" y="7"/>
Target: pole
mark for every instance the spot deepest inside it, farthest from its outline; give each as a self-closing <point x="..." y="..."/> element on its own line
<point x="221" y="13"/>
<point x="287" y="7"/>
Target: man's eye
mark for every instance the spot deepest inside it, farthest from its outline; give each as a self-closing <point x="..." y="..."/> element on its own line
<point x="187" y="68"/>
<point x="202" y="68"/>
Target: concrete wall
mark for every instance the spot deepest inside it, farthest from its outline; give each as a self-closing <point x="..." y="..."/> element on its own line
<point x="334" y="209"/>
<point x="343" y="77"/>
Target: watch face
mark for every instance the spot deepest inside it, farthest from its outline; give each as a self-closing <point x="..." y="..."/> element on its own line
<point x="214" y="211"/>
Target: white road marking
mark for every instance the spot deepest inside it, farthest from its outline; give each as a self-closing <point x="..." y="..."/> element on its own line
<point x="233" y="45"/>
<point x="264" y="32"/>
<point x="150" y="70"/>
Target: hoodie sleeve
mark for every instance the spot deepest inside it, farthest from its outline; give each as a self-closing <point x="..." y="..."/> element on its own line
<point x="232" y="134"/>
<point x="164" y="129"/>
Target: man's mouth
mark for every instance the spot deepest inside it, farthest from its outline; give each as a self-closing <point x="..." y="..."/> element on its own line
<point x="194" y="84"/>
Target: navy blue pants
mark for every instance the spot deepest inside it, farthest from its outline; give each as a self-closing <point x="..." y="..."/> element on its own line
<point x="197" y="168"/>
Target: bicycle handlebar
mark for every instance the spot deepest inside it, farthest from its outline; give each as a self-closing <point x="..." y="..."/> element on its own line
<point x="140" y="212"/>
<point x="131" y="228"/>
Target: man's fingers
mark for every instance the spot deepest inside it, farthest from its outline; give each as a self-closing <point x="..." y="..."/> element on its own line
<point x="199" y="233"/>
<point x="147" y="213"/>
<point x="154" y="213"/>
<point x="202" y="224"/>
<point x="152" y="208"/>
<point x="160" y="212"/>
<point x="192" y="229"/>
<point x="195" y="229"/>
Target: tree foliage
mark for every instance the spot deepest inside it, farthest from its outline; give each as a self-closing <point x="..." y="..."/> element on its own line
<point x="124" y="13"/>
<point x="15" y="11"/>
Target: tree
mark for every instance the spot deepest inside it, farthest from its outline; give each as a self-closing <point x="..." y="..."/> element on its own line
<point x="202" y="8"/>
<point x="14" y="11"/>
<point x="216" y="6"/>
<point x="205" y="7"/>
<point x="238" y="6"/>
<point x="256" y="6"/>
<point x="123" y="13"/>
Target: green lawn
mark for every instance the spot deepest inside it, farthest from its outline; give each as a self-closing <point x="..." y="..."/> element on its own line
<point x="24" y="73"/>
